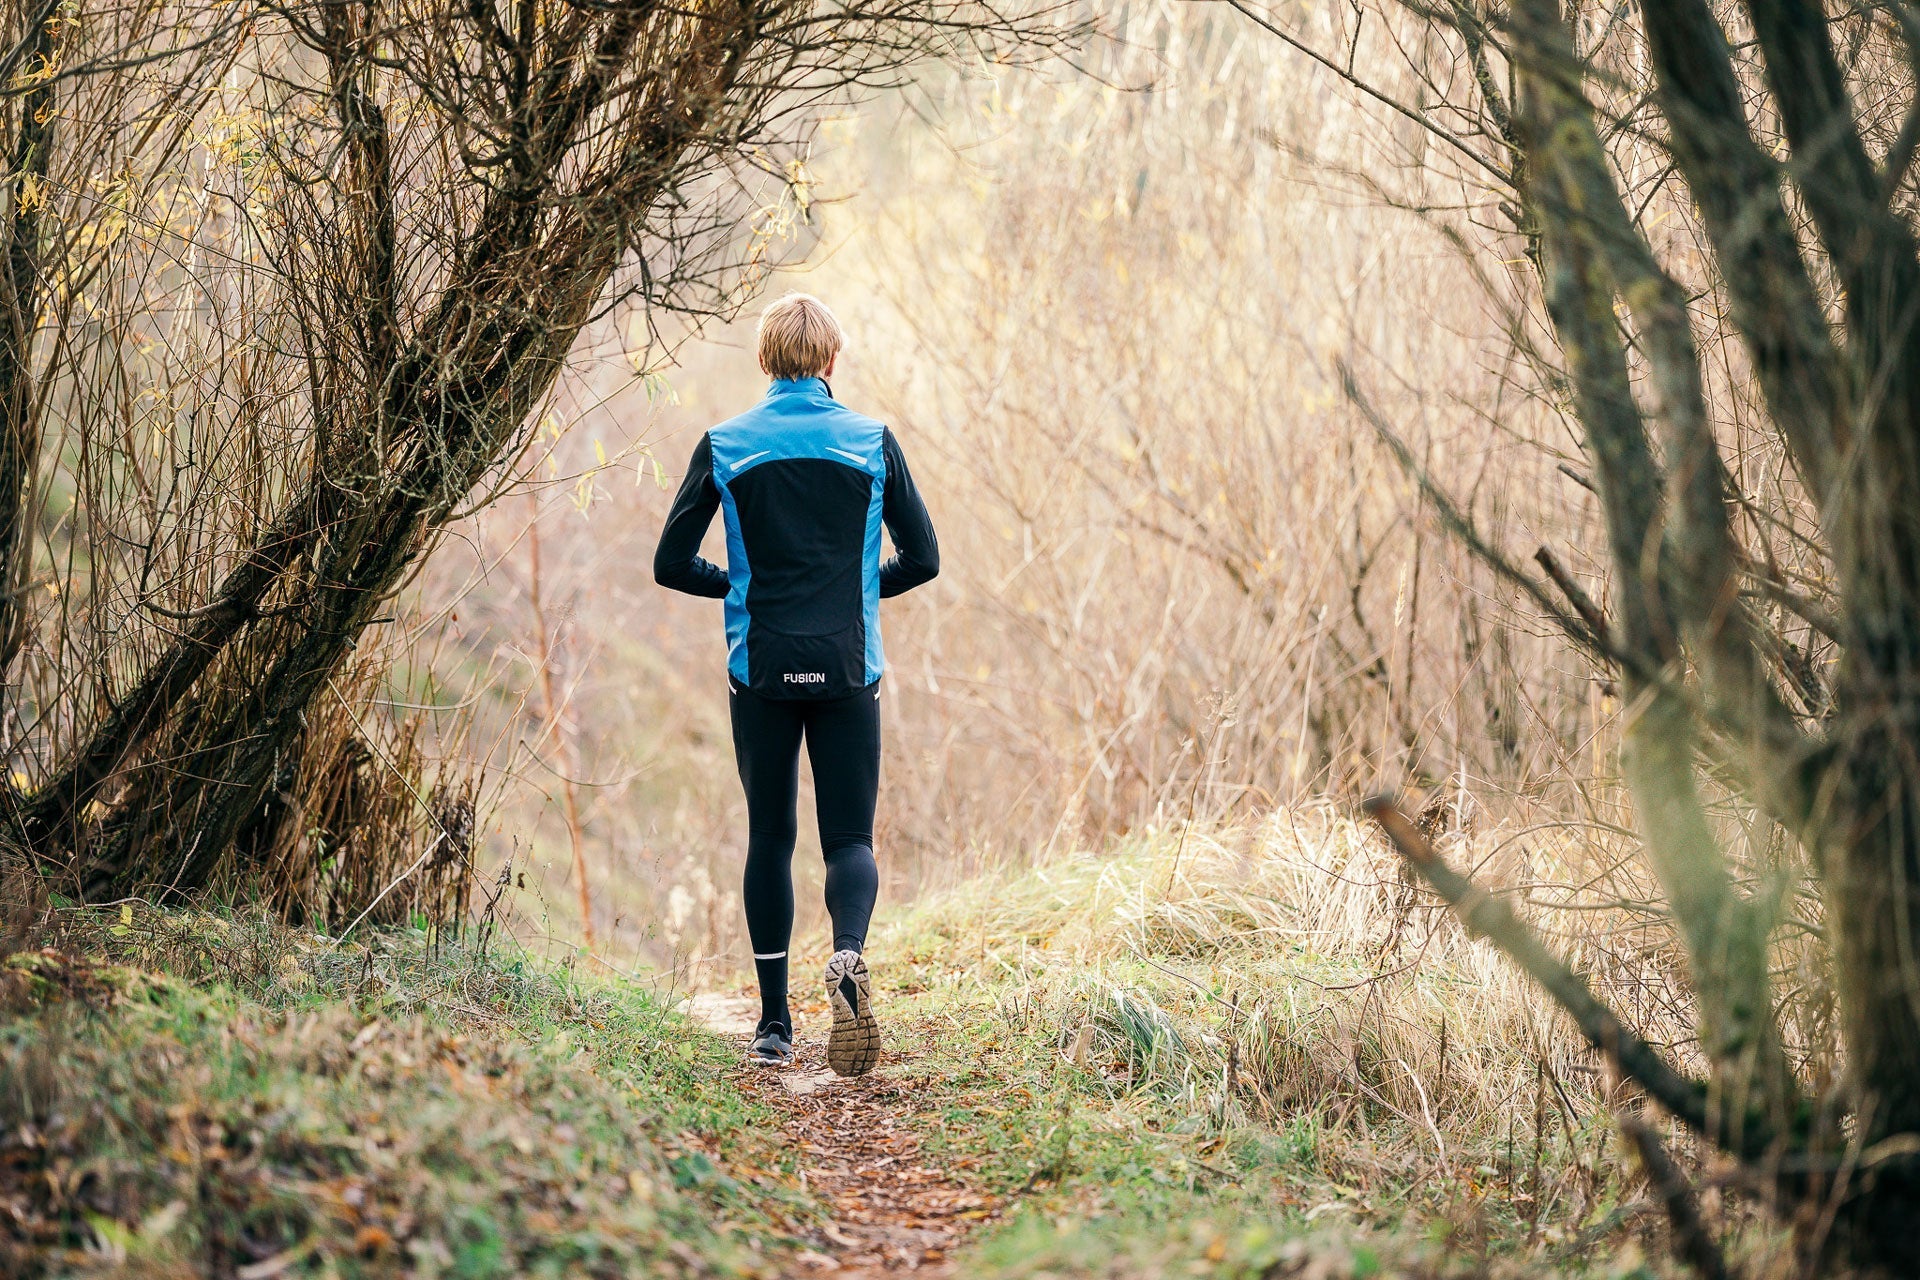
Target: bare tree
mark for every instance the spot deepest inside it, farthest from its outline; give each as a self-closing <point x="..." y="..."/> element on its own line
<point x="1763" y="132"/>
<point x="413" y="210"/>
<point x="21" y="299"/>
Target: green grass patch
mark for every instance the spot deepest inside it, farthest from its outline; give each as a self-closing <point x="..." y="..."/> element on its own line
<point x="206" y="1096"/>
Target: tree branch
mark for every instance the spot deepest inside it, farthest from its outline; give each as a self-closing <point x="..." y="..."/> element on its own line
<point x="1451" y="139"/>
<point x="1490" y="917"/>
<point x="1692" y="1243"/>
<point x="1774" y="303"/>
<point x="1670" y="542"/>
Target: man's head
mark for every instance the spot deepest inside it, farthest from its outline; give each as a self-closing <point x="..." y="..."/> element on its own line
<point x="799" y="338"/>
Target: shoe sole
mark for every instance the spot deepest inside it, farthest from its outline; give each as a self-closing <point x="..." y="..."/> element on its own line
<point x="762" y="1058"/>
<point x="853" y="1046"/>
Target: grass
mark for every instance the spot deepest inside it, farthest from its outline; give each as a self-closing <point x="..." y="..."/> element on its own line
<point x="208" y="1096"/>
<point x="1211" y="1053"/>
<point x="1254" y="1053"/>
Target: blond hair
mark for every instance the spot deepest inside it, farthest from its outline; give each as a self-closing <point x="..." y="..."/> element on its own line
<point x="798" y="337"/>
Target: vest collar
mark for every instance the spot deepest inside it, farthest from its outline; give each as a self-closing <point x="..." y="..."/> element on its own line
<point x="799" y="386"/>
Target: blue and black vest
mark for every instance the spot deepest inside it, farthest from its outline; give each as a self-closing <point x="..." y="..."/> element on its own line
<point x="801" y="479"/>
<point x="806" y="486"/>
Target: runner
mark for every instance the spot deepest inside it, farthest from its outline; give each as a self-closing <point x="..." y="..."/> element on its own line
<point x="804" y="485"/>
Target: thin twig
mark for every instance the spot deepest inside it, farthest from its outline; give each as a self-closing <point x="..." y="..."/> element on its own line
<point x="392" y="885"/>
<point x="1693" y="1244"/>
<point x="1582" y="602"/>
<point x="1346" y="74"/>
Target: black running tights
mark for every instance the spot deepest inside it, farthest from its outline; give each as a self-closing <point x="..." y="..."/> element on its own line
<point x="843" y="745"/>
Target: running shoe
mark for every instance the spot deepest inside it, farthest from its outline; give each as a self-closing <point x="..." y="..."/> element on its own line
<point x="772" y="1044"/>
<point x="854" y="1044"/>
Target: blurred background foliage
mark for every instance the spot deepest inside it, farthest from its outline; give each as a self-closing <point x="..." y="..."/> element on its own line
<point x="1180" y="577"/>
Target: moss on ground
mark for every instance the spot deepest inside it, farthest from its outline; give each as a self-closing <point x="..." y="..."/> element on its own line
<point x="255" y="1101"/>
<point x="1178" y="1095"/>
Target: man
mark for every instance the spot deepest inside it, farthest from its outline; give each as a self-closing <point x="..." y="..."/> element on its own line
<point x="804" y="485"/>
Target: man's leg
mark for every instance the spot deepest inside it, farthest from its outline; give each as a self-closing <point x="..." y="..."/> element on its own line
<point x="843" y="745"/>
<point x="766" y="747"/>
<point x="843" y="742"/>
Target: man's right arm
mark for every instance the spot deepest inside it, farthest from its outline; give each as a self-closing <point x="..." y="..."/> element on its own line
<point x="677" y="562"/>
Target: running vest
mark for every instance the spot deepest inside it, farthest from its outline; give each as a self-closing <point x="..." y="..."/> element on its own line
<point x="801" y="480"/>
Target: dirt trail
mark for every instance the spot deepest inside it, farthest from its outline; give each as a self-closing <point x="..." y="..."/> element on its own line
<point x="893" y="1212"/>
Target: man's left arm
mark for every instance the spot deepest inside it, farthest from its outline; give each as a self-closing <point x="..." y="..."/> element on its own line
<point x="916" y="558"/>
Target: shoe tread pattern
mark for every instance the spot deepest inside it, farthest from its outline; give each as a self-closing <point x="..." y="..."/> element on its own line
<point x="853" y="1046"/>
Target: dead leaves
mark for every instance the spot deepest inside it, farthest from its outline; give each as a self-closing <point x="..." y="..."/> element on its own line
<point x="33" y="978"/>
<point x="242" y="1143"/>
<point x="893" y="1210"/>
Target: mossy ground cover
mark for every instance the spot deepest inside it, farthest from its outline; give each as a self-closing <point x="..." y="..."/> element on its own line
<point x="1198" y="1078"/>
<point x="194" y="1095"/>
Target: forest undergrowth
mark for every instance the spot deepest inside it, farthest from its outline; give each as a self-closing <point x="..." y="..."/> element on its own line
<point x="1248" y="1051"/>
<point x="190" y="1094"/>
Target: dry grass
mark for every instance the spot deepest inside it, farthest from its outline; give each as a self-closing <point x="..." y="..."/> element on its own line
<point x="1273" y="1004"/>
<point x="1334" y="977"/>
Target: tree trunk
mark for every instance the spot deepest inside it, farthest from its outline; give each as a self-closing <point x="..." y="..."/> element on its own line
<point x="20" y="298"/>
<point x="1872" y="891"/>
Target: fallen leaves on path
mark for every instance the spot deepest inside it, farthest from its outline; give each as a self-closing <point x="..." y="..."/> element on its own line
<point x="893" y="1210"/>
